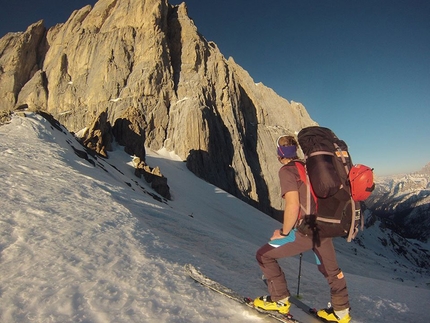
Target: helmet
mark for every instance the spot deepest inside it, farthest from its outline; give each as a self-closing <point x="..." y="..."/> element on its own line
<point x="361" y="181"/>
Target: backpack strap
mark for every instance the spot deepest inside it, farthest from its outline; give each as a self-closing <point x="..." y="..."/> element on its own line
<point x="321" y="152"/>
<point x="307" y="208"/>
<point x="305" y="179"/>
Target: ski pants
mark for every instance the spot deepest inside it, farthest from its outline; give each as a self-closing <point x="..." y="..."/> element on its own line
<point x="293" y="244"/>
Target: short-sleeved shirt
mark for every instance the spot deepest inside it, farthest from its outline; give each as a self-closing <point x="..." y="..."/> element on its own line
<point x="290" y="180"/>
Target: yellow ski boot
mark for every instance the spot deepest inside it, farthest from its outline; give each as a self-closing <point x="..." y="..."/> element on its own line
<point x="330" y="315"/>
<point x="266" y="303"/>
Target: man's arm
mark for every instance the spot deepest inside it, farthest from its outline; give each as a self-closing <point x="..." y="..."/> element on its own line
<point x="291" y="212"/>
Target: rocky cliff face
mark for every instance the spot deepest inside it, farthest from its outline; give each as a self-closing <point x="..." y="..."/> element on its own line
<point x="139" y="71"/>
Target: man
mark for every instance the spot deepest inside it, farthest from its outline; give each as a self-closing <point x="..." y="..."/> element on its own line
<point x="288" y="242"/>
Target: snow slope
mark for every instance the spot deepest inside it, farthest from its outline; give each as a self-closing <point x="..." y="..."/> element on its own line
<point x="89" y="242"/>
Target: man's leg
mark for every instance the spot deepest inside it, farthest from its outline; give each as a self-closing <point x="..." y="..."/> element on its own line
<point x="330" y="269"/>
<point x="293" y="244"/>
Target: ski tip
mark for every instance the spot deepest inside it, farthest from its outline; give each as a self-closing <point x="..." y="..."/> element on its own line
<point x="190" y="268"/>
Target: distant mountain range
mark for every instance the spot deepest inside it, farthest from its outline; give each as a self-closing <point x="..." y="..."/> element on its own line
<point x="402" y="203"/>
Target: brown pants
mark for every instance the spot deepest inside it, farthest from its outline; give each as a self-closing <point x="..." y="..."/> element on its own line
<point x="294" y="244"/>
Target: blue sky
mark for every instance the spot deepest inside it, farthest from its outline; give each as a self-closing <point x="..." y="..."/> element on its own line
<point x="361" y="68"/>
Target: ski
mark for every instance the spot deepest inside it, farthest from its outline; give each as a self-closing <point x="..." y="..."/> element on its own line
<point x="305" y="308"/>
<point x="197" y="276"/>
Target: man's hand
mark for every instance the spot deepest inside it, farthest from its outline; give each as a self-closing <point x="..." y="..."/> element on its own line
<point x="277" y="235"/>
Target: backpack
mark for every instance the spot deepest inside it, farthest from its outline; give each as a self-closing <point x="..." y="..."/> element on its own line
<point x="332" y="176"/>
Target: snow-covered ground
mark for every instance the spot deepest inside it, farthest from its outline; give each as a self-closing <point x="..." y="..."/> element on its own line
<point x="85" y="243"/>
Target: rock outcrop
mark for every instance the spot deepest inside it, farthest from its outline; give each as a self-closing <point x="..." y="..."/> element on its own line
<point x="142" y="68"/>
<point x="20" y="60"/>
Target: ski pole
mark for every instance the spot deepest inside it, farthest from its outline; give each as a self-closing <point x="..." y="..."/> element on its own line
<point x="300" y="275"/>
